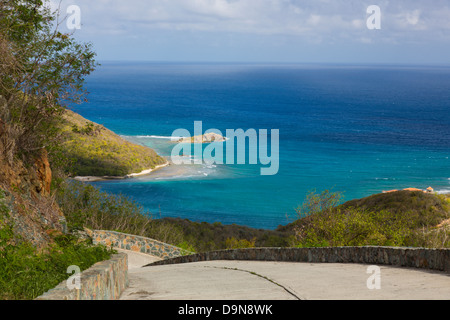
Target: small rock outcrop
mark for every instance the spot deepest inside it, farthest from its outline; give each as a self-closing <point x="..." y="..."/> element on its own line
<point x="42" y="174"/>
<point x="429" y="190"/>
<point x="206" y="138"/>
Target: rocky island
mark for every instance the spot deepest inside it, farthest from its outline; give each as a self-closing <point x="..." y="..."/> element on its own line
<point x="203" y="139"/>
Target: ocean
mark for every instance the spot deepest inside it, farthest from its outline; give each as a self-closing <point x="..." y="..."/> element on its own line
<point x="355" y="129"/>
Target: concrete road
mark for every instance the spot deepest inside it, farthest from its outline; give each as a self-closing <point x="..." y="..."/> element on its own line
<point x="137" y="260"/>
<point x="242" y="280"/>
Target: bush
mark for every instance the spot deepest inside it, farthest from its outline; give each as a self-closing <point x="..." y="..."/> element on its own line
<point x="26" y="274"/>
<point x="233" y="243"/>
<point x="353" y="227"/>
<point x="86" y="206"/>
<point x="318" y="203"/>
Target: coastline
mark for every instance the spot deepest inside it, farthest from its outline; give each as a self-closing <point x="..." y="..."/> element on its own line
<point x="128" y="176"/>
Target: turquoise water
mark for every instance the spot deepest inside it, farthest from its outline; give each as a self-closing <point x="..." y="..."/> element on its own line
<point x="355" y="129"/>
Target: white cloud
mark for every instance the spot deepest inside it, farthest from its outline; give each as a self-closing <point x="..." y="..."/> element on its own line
<point x="413" y="17"/>
<point x="291" y="17"/>
<point x="276" y="26"/>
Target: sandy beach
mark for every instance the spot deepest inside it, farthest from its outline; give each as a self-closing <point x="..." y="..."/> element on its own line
<point x="129" y="176"/>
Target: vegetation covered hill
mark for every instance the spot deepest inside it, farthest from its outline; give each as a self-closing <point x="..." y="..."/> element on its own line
<point x="402" y="218"/>
<point x="94" y="150"/>
<point x="421" y="208"/>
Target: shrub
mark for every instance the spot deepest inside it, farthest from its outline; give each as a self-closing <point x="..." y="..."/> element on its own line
<point x="233" y="243"/>
<point x="352" y="227"/>
<point x="318" y="203"/>
<point x="86" y="206"/>
<point x="26" y="274"/>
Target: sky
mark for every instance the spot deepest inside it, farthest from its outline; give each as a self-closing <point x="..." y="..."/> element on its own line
<point x="281" y="31"/>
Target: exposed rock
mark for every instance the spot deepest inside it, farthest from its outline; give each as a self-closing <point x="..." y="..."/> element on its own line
<point x="428" y="190"/>
<point x="412" y="189"/>
<point x="206" y="138"/>
<point x="445" y="223"/>
<point x="390" y="191"/>
<point x="44" y="174"/>
<point x="30" y="208"/>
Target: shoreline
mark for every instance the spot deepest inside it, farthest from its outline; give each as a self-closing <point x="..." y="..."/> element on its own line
<point x="128" y="176"/>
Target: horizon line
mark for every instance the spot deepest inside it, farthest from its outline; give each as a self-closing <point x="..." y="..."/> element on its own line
<point x="406" y="64"/>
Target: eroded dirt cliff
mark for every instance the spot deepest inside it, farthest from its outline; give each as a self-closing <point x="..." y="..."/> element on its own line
<point x="25" y="192"/>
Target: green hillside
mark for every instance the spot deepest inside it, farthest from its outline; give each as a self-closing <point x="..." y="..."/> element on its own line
<point x="402" y="218"/>
<point x="96" y="151"/>
<point x="422" y="209"/>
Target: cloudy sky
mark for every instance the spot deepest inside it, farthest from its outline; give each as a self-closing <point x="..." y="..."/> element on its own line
<point x="331" y="31"/>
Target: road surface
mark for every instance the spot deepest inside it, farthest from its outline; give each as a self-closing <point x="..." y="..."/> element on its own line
<point x="248" y="280"/>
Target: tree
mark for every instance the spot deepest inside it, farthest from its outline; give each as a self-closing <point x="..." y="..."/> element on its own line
<point x="319" y="203"/>
<point x="42" y="71"/>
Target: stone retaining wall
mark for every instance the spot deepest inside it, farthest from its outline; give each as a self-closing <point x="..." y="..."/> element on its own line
<point x="104" y="281"/>
<point x="135" y="243"/>
<point x="431" y="259"/>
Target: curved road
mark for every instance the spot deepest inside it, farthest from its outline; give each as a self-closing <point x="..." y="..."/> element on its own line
<point x="248" y="280"/>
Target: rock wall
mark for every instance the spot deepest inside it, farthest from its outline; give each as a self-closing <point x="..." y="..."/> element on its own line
<point x="135" y="243"/>
<point x="103" y="281"/>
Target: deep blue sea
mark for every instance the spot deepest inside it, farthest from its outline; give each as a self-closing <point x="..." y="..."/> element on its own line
<point x="353" y="129"/>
